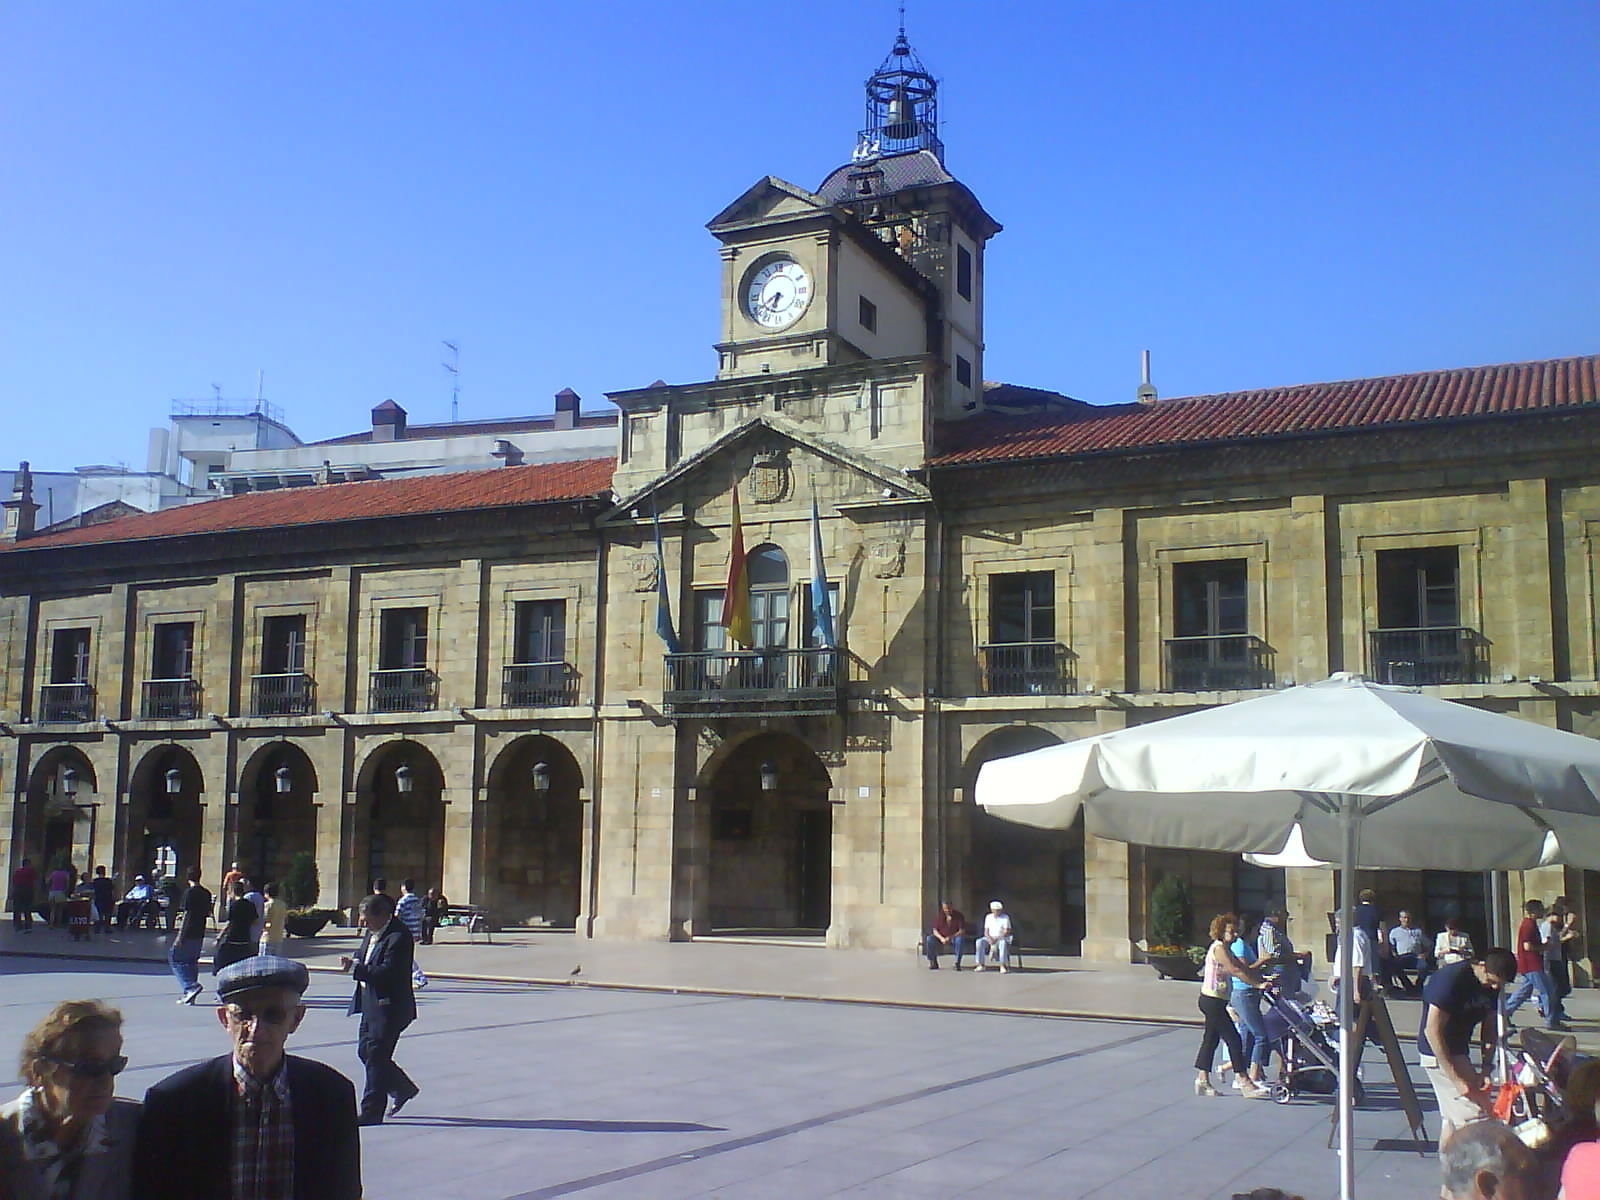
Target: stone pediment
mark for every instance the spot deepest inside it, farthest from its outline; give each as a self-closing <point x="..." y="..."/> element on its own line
<point x="783" y="447"/>
<point x="768" y="200"/>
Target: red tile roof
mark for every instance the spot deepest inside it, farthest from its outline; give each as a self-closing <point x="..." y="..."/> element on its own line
<point x="498" y="488"/>
<point x="1506" y="389"/>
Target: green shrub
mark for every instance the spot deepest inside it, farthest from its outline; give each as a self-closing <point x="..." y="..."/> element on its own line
<point x="301" y="884"/>
<point x="1171" y="912"/>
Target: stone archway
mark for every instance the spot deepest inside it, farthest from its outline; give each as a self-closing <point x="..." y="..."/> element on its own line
<point x="56" y="820"/>
<point x="276" y="817"/>
<point x="532" y="862"/>
<point x="399" y="820"/>
<point x="162" y="831"/>
<point x="1037" y="873"/>
<point x="771" y="837"/>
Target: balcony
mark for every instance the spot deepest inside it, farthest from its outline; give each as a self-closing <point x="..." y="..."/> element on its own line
<point x="1027" y="669"/>
<point x="406" y="689"/>
<point x="1437" y="654"/>
<point x="171" y="700"/>
<point x="765" y="682"/>
<point x="538" y="685"/>
<point x="63" y="703"/>
<point x="289" y="695"/>
<point x="1230" y="662"/>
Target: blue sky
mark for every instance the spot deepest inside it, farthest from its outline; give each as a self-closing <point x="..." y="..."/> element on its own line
<point x="1260" y="193"/>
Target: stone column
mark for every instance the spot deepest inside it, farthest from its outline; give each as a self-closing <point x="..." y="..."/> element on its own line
<point x="1312" y="894"/>
<point x="1107" y="881"/>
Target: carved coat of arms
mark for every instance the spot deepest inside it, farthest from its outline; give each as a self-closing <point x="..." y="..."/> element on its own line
<point x="645" y="570"/>
<point x="769" y="477"/>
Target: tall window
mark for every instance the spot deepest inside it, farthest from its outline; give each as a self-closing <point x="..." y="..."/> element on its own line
<point x="1418" y="589"/>
<point x="283" y="645"/>
<point x="67" y="695"/>
<point x="868" y="315"/>
<point x="1022" y="607"/>
<point x="710" y="633"/>
<point x="1420" y="638"/>
<point x="173" y="653"/>
<point x="403" y="639"/>
<point x="1211" y="618"/>
<point x="963" y="371"/>
<point x="963" y="272"/>
<point x="69" y="656"/>
<point x="1210" y="598"/>
<point x="769" y="597"/>
<point x="541" y="631"/>
<point x="808" y="632"/>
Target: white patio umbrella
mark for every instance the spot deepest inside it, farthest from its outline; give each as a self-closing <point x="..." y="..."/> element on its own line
<point x="1428" y="783"/>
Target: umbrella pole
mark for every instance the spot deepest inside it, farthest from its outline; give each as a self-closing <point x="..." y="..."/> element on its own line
<point x="1350" y="821"/>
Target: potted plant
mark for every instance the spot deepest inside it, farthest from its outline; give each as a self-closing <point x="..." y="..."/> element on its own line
<point x="1171" y="914"/>
<point x="302" y="886"/>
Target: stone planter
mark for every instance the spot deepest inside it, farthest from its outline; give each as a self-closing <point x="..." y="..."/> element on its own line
<point x="1174" y="966"/>
<point x="305" y="924"/>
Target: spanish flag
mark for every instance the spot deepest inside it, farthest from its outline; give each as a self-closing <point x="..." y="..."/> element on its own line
<point x="736" y="598"/>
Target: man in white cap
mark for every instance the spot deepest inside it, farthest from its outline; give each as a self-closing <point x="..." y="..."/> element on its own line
<point x="256" y="1124"/>
<point x="996" y="937"/>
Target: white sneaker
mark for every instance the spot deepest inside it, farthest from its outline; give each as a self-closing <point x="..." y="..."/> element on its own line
<point x="979" y="967"/>
<point x="1002" y="970"/>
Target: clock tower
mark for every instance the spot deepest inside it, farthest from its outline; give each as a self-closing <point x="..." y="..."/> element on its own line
<point x="884" y="260"/>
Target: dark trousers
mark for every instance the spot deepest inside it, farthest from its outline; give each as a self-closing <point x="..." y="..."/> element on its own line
<point x="22" y="910"/>
<point x="1561" y="976"/>
<point x="384" y="1076"/>
<point x="1219" y="1027"/>
<point x="932" y="947"/>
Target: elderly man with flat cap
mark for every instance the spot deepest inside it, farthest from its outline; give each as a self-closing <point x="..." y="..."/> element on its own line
<point x="256" y="1124"/>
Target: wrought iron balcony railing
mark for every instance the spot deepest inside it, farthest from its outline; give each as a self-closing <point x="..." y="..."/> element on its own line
<point x="1228" y="662"/>
<point x="405" y="689"/>
<point x="775" y="682"/>
<point x="171" y="700"/>
<point x="1027" y="669"/>
<point x="288" y="695"/>
<point x="66" y="702"/>
<point x="1436" y="654"/>
<point x="539" y="685"/>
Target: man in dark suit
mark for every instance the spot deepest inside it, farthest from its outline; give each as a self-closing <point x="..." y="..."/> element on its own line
<point x="383" y="997"/>
<point x="257" y="1122"/>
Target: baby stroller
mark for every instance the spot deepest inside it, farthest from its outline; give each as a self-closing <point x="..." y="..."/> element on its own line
<point x="1309" y="1036"/>
<point x="1533" y="1080"/>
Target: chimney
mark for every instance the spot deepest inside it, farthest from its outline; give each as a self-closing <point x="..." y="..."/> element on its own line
<point x="1147" y="390"/>
<point x="567" y="402"/>
<point x="388" y="422"/>
<point x="20" y="509"/>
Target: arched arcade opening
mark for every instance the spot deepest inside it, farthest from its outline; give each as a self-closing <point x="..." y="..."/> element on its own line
<point x="1038" y="874"/>
<point x="532" y="850"/>
<point x="771" y="838"/>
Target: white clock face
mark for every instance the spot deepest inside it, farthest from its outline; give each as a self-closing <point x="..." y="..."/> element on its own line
<point x="778" y="293"/>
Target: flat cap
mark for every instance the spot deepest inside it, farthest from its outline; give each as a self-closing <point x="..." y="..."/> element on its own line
<point x="261" y="971"/>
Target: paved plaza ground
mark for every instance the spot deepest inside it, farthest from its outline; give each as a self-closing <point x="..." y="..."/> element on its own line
<point x="541" y="1090"/>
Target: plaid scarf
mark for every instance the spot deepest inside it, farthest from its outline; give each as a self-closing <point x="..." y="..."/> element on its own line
<point x="262" y="1163"/>
<point x="59" y="1167"/>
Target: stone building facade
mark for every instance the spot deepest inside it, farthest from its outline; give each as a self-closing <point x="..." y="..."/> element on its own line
<point x="463" y="678"/>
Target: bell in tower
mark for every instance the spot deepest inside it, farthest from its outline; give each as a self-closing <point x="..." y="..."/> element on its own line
<point x="902" y="106"/>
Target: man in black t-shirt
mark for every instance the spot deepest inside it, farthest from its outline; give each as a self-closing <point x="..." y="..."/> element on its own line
<point x="185" y="953"/>
<point x="1456" y="1000"/>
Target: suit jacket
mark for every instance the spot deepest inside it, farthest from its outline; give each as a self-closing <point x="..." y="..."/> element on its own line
<point x="186" y="1133"/>
<point x="383" y="994"/>
<point x="104" y="1175"/>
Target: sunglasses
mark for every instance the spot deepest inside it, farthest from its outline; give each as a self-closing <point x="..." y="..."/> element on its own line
<point x="272" y="1014"/>
<point x="93" y="1068"/>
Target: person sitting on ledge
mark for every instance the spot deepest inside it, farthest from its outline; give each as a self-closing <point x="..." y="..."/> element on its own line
<point x="996" y="937"/>
<point x="949" y="933"/>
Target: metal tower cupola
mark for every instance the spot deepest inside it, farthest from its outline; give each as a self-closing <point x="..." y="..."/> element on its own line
<point x="902" y="106"/>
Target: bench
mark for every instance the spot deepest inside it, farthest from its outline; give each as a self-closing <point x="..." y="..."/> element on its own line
<point x="474" y="917"/>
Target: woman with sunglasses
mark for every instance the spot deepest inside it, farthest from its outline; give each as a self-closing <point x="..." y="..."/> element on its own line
<point x="68" y="1137"/>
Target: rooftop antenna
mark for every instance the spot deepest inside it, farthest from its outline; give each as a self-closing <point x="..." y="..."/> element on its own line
<point x="454" y="367"/>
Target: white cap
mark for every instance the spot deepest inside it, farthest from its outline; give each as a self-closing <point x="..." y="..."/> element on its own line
<point x="996" y="905"/>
